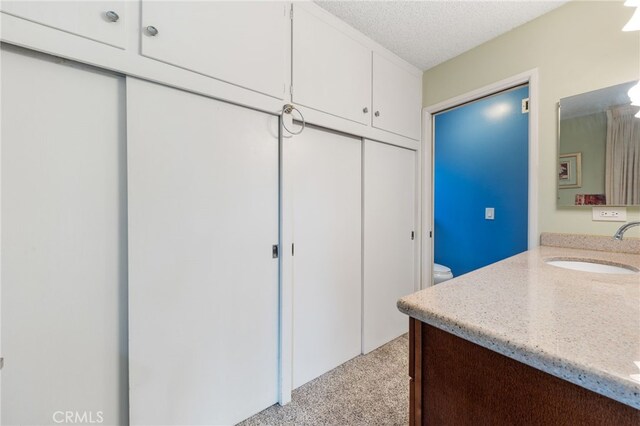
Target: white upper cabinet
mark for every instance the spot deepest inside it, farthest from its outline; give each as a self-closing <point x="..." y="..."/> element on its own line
<point x="397" y="98"/>
<point x="102" y="21"/>
<point x="243" y="43"/>
<point x="245" y="52"/>
<point x="331" y="70"/>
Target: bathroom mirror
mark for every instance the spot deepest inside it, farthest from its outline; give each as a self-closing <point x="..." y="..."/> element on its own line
<point x="599" y="149"/>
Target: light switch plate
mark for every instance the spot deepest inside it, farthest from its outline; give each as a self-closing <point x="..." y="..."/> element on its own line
<point x="489" y="213"/>
<point x="610" y="214"/>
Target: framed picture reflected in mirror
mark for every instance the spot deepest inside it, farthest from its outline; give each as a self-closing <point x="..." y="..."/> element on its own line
<point x="570" y="170"/>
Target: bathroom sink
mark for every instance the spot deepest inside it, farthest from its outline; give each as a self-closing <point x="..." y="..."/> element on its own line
<point x="589" y="265"/>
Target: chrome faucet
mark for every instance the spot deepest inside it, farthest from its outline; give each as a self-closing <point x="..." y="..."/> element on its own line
<point x="620" y="232"/>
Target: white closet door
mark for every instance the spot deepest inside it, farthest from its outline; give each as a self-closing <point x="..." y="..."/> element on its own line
<point x="203" y="216"/>
<point x="64" y="241"/>
<point x="327" y="260"/>
<point x="389" y="247"/>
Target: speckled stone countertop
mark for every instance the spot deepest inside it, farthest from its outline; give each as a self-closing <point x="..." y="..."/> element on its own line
<point x="582" y="327"/>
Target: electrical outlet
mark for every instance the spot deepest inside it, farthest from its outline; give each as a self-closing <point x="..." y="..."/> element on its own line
<point x="610" y="214"/>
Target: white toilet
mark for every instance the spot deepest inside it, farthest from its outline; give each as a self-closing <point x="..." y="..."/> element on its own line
<point x="441" y="273"/>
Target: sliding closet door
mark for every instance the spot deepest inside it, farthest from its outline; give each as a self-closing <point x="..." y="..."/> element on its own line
<point x="64" y="242"/>
<point x="203" y="217"/>
<point x="327" y="258"/>
<point x="389" y="239"/>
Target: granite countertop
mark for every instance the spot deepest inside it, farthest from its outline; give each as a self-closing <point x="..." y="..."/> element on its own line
<point x="579" y="326"/>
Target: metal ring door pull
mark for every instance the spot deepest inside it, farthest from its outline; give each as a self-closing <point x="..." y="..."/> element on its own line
<point x="288" y="109"/>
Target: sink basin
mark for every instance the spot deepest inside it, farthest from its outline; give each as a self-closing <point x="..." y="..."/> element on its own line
<point x="597" y="266"/>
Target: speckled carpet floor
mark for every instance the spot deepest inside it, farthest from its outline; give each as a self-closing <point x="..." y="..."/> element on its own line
<point x="369" y="390"/>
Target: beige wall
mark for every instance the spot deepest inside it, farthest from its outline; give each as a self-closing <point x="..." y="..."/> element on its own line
<point x="576" y="48"/>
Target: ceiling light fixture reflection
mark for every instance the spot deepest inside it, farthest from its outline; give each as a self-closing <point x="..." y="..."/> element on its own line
<point x="498" y="110"/>
<point x="634" y="95"/>
<point x="634" y="22"/>
<point x="636" y="377"/>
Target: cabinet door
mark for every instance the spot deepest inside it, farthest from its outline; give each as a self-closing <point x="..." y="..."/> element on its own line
<point x="203" y="285"/>
<point x="389" y="245"/>
<point x="397" y="98"/>
<point x="331" y="71"/>
<point x="242" y="43"/>
<point x="327" y="259"/>
<point x="84" y="18"/>
<point x="64" y="241"/>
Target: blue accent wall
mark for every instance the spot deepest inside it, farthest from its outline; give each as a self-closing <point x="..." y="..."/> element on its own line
<point x="481" y="160"/>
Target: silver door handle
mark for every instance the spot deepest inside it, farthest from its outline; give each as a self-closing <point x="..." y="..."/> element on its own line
<point x="152" y="31"/>
<point x="112" y="16"/>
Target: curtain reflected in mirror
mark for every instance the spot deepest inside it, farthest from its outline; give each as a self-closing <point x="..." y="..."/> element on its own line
<point x="622" y="169"/>
<point x="599" y="149"/>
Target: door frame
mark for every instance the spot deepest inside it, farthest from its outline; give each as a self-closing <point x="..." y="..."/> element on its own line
<point x="529" y="77"/>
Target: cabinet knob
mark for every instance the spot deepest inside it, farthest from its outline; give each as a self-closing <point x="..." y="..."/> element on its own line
<point x="377" y="113"/>
<point x="365" y="110"/>
<point x="112" y="16"/>
<point x="152" y="31"/>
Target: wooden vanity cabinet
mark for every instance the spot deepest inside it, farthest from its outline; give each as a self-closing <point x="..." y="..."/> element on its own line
<point x="456" y="382"/>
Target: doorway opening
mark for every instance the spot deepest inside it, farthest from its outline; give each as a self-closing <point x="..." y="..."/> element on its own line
<point x="480" y="198"/>
<point x="480" y="184"/>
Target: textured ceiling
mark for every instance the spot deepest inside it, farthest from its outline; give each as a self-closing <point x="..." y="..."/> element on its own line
<point x="427" y="33"/>
<point x="595" y="101"/>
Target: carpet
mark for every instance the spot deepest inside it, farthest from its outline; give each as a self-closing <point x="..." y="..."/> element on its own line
<point x="369" y="390"/>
